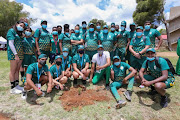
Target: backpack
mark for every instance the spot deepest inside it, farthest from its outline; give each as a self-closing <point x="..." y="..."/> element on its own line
<point x="172" y="70"/>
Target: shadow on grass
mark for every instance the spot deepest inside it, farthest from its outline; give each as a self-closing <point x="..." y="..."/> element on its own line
<point x="156" y="98"/>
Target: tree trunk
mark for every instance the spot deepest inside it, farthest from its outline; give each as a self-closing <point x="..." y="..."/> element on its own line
<point x="168" y="36"/>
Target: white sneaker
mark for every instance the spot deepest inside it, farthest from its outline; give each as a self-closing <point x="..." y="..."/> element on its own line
<point x="15" y="91"/>
<point x="19" y="88"/>
<point x="24" y="95"/>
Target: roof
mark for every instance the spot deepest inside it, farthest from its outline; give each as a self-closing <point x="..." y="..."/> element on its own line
<point x="174" y="13"/>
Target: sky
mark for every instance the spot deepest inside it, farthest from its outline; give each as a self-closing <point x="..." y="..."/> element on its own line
<point x="72" y="12"/>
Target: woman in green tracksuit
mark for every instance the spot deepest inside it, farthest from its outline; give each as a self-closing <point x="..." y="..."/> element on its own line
<point x="178" y="62"/>
<point x="119" y="77"/>
<point x="42" y="38"/>
<point x="15" y="54"/>
<point x="76" y="39"/>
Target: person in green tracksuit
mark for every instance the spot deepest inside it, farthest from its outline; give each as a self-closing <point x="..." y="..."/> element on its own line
<point x="113" y="29"/>
<point x="98" y="28"/>
<point x="76" y="39"/>
<point x="91" y="41"/>
<point x="178" y="62"/>
<point x="138" y="47"/>
<point x="152" y="34"/>
<point x="132" y="35"/>
<point x="64" y="40"/>
<point x="160" y="78"/>
<point x="119" y="77"/>
<point x="117" y="28"/>
<point x="42" y="38"/>
<point x="123" y="40"/>
<point x="102" y="61"/>
<point x="108" y="40"/>
<point x="58" y="80"/>
<point x="55" y="49"/>
<point x="15" y="54"/>
<point x="28" y="48"/>
<point x="80" y="66"/>
<point x="59" y="29"/>
<point x="66" y="63"/>
<point x="83" y="29"/>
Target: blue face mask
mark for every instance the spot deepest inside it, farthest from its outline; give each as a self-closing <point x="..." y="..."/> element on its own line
<point x="55" y="32"/>
<point x="105" y="31"/>
<point x="112" y="29"/>
<point x="19" y="28"/>
<point x="98" y="27"/>
<point x="122" y="28"/>
<point x="150" y="59"/>
<point x="76" y="31"/>
<point x="44" y="26"/>
<point x="147" y="27"/>
<point x="65" y="54"/>
<point x="27" y="33"/>
<point x="26" y="24"/>
<point x="91" y="29"/>
<point x="138" y="34"/>
<point x="117" y="63"/>
<point x="67" y="33"/>
<point x="83" y="25"/>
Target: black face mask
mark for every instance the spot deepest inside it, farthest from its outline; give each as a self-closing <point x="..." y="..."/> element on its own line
<point x="59" y="31"/>
<point x="81" y="52"/>
<point x="42" y="62"/>
<point x="132" y="28"/>
<point x="117" y="30"/>
<point x="58" y="63"/>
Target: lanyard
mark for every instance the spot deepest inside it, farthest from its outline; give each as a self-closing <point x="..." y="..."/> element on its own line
<point x="64" y="62"/>
<point x="81" y="61"/>
<point x="57" y="71"/>
<point x="38" y="75"/>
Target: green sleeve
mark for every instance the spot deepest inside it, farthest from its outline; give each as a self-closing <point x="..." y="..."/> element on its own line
<point x="61" y="36"/>
<point x="87" y="58"/>
<point x="10" y="34"/>
<point x="163" y="63"/>
<point x="157" y="33"/>
<point x="70" y="61"/>
<point x="36" y="34"/>
<point x="127" y="66"/>
<point x="74" y="59"/>
<point x="46" y="69"/>
<point x="71" y="37"/>
<point x="51" y="70"/>
<point x="148" y="42"/>
<point x="178" y="47"/>
<point x="131" y="42"/>
<point x="144" y="64"/>
<point x="128" y="34"/>
<point x="30" y="70"/>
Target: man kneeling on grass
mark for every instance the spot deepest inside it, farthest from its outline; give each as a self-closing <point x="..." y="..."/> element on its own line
<point x="57" y="74"/>
<point x="119" y="77"/>
<point x="37" y="75"/>
<point x="159" y="78"/>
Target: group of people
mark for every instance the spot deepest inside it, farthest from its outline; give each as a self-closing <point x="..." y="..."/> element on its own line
<point x="88" y="52"/>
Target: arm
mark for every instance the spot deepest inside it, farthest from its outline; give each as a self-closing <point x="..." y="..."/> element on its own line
<point x="99" y="42"/>
<point x="86" y="66"/>
<point x="133" y="72"/>
<point x="92" y="71"/>
<point x="76" y="69"/>
<point x="141" y="74"/>
<point x="112" y="74"/>
<point x="49" y="89"/>
<point x="162" y="78"/>
<point x="107" y="64"/>
<point x="60" y="45"/>
<point x="76" y="42"/>
<point x="128" y="43"/>
<point x="144" y="50"/>
<point x="37" y="45"/>
<point x="13" y="49"/>
<point x="160" y="42"/>
<point x="131" y="49"/>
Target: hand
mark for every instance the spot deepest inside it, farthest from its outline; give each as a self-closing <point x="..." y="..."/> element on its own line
<point x="56" y="79"/>
<point x="137" y="55"/>
<point x="143" y="80"/>
<point x="98" y="67"/>
<point x="90" y="80"/>
<point x="147" y="83"/>
<point x="17" y="57"/>
<point x="83" y="70"/>
<point x="61" y="86"/>
<point x="39" y="92"/>
<point x="156" y="48"/>
<point x="39" y="53"/>
<point x="124" y="81"/>
<point x="49" y="89"/>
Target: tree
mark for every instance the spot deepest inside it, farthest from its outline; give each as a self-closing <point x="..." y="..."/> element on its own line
<point x="151" y="10"/>
<point x="10" y="13"/>
<point x="162" y="31"/>
<point x="94" y="21"/>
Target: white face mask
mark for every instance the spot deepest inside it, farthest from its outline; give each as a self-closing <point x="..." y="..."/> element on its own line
<point x="100" y="52"/>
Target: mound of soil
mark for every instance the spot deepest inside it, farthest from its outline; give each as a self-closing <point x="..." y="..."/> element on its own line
<point x="4" y="116"/>
<point x="76" y="97"/>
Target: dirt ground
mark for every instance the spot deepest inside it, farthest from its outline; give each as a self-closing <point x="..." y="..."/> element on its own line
<point x="4" y="116"/>
<point x="168" y="54"/>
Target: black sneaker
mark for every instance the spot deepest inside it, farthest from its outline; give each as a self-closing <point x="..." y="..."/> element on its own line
<point x="83" y="82"/>
<point x="107" y="87"/>
<point x="75" y="83"/>
<point x="164" y="101"/>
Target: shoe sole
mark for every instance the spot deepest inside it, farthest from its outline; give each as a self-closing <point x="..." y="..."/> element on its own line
<point x="118" y="106"/>
<point x="127" y="97"/>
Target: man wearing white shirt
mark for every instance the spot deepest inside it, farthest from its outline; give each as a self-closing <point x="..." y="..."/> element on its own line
<point x="103" y="62"/>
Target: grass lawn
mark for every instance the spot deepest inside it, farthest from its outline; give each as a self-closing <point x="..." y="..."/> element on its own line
<point x="142" y="107"/>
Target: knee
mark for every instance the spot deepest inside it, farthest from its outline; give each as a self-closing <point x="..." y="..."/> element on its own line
<point x="75" y="75"/>
<point x="63" y="80"/>
<point x="158" y="85"/>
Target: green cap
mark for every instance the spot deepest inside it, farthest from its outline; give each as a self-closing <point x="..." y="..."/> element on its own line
<point x="42" y="56"/>
<point x="100" y="46"/>
<point x="133" y="24"/>
<point x="112" y="23"/>
<point x="80" y="47"/>
<point x="91" y="24"/>
<point x="65" y="49"/>
<point x="139" y="27"/>
<point x="151" y="49"/>
<point x="43" y="21"/>
<point x="58" y="56"/>
<point x="123" y="23"/>
<point x="116" y="57"/>
<point x="105" y="26"/>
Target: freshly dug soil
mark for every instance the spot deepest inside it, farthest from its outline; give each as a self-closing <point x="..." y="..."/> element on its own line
<point x="76" y="97"/>
<point x="4" y="116"/>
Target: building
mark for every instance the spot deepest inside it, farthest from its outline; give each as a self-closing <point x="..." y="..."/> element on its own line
<point x="174" y="26"/>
